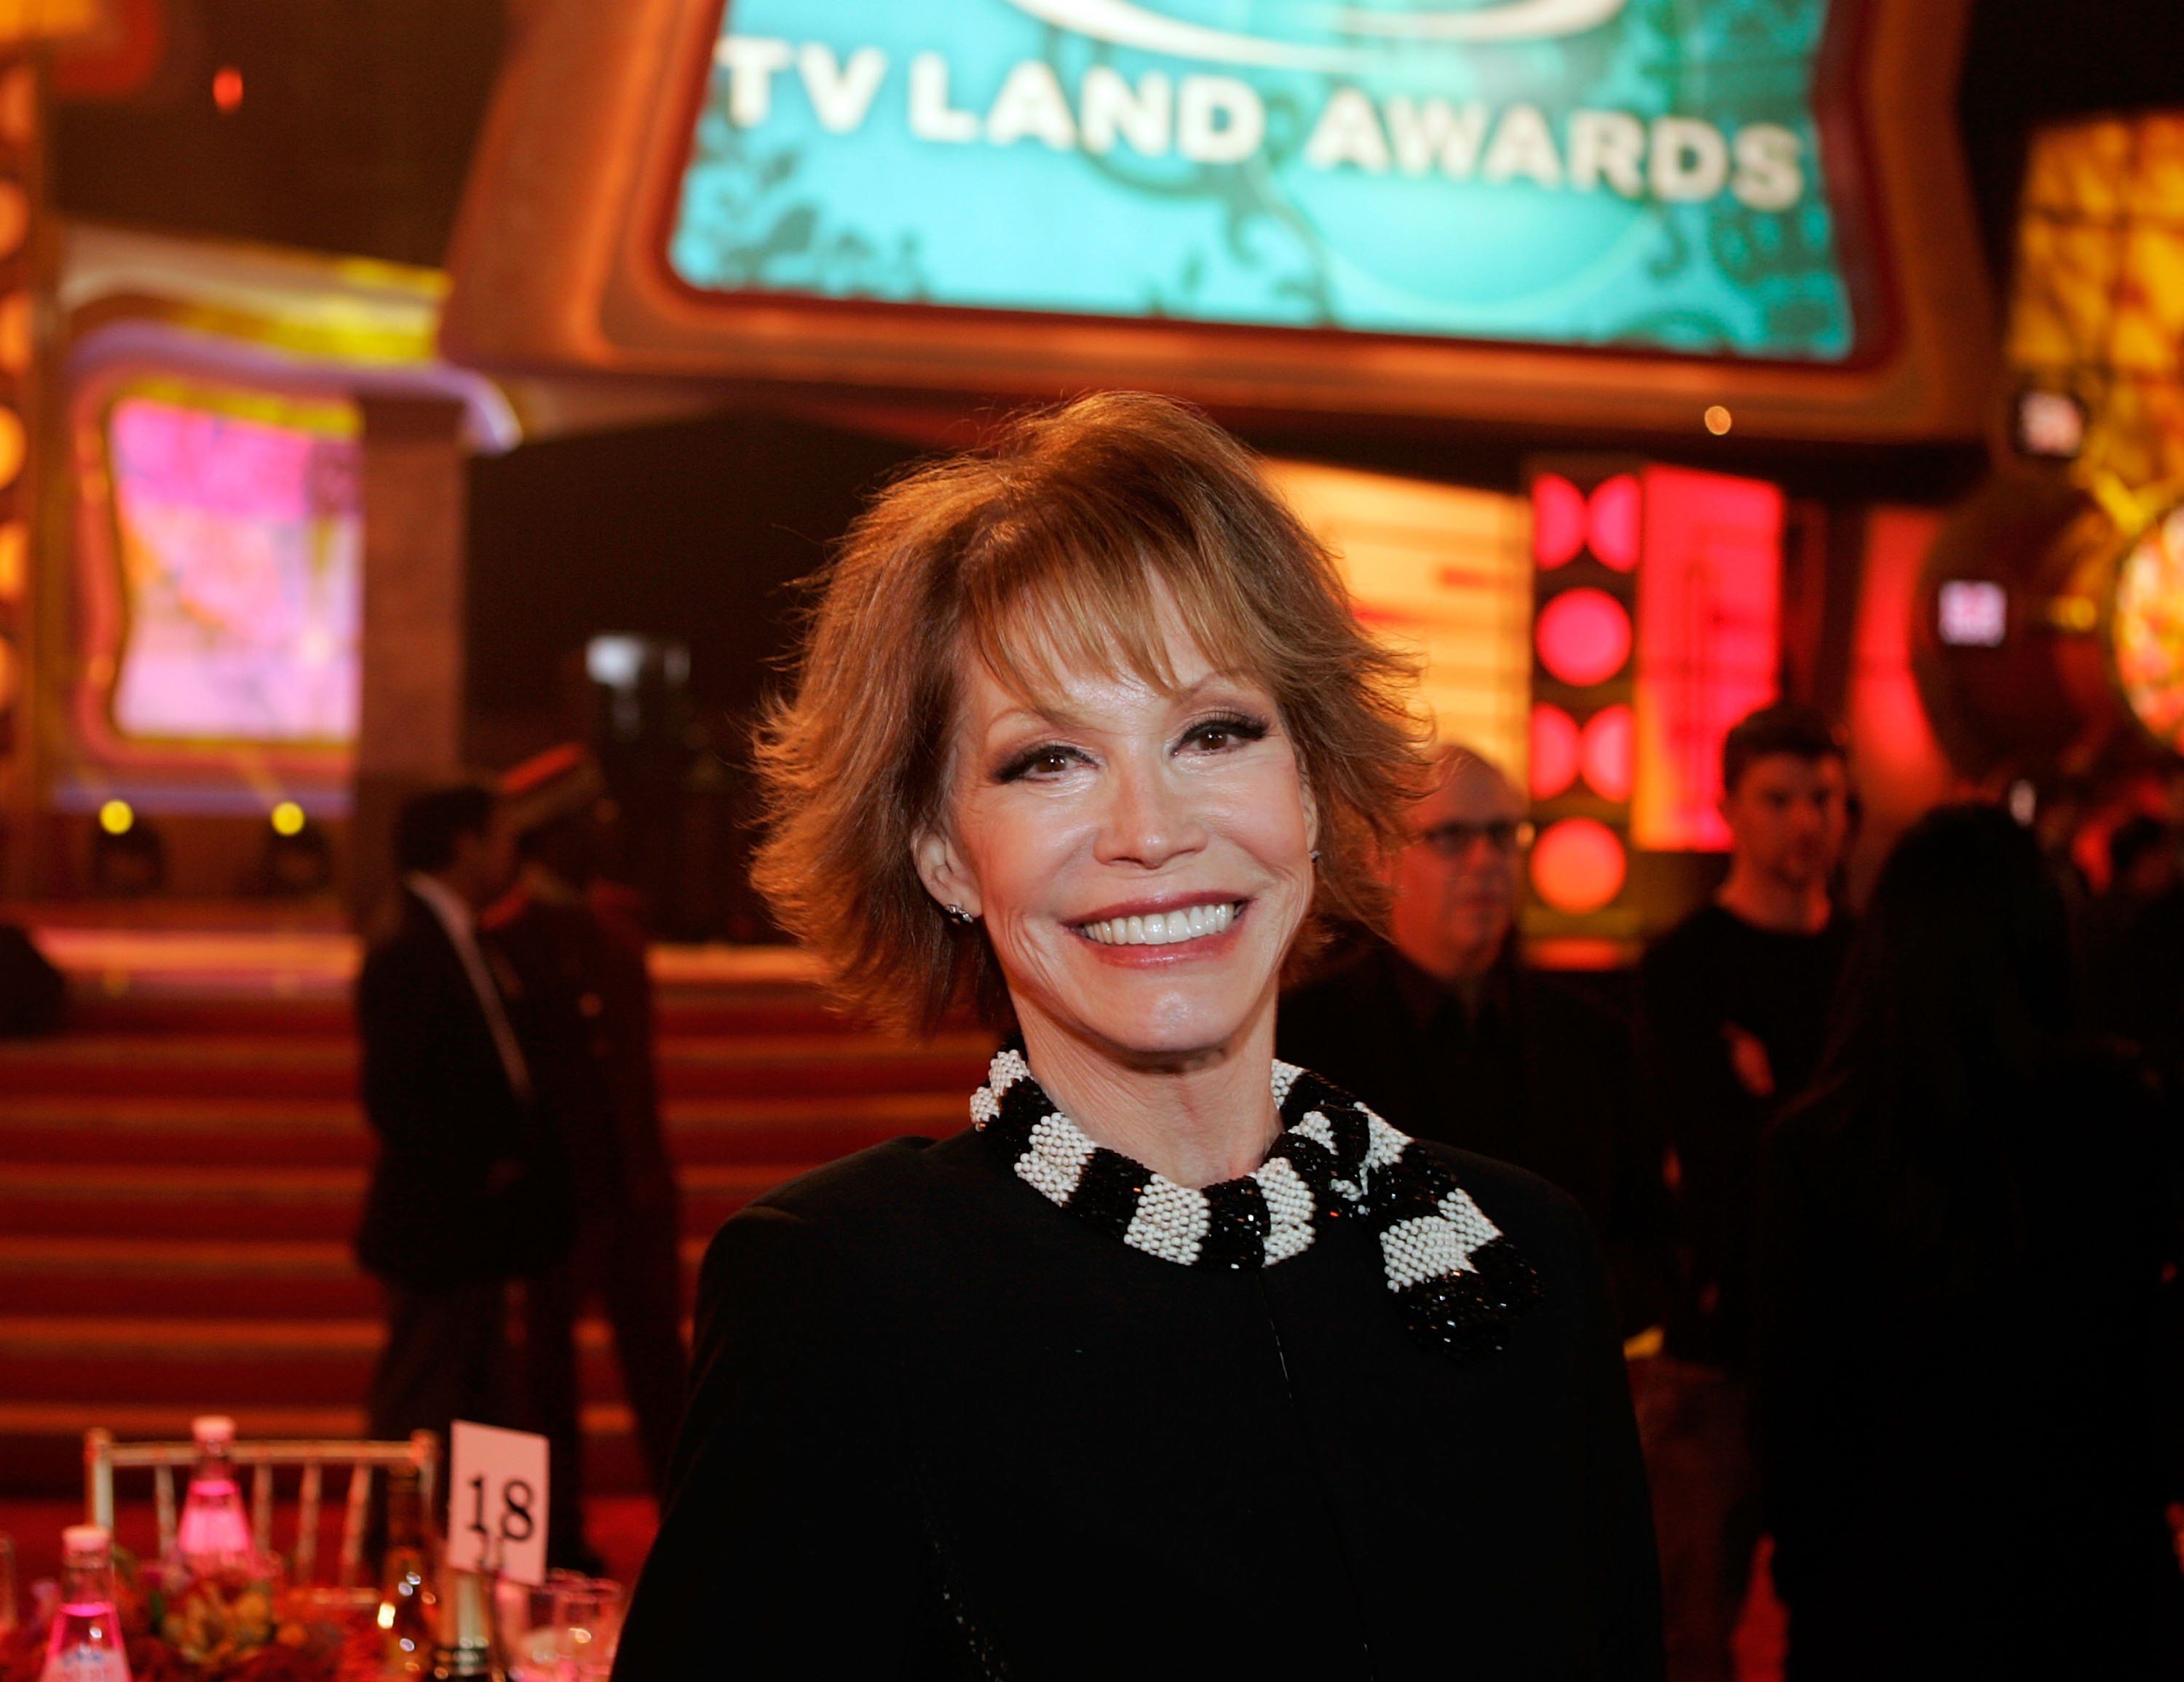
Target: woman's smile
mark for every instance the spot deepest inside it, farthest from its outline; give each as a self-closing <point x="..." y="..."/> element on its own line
<point x="1195" y="921"/>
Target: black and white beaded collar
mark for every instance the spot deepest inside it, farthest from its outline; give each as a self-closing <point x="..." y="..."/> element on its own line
<point x="1458" y="1283"/>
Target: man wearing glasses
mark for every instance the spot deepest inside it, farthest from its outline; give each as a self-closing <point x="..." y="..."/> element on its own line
<point x="1450" y="1036"/>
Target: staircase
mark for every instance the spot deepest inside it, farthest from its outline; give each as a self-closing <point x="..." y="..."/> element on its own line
<point x="179" y="1173"/>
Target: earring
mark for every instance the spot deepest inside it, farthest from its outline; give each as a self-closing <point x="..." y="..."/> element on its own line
<point x="1315" y="856"/>
<point x="956" y="914"/>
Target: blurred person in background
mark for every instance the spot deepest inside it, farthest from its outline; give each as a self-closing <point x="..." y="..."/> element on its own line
<point x="2135" y="942"/>
<point x="584" y="1018"/>
<point x="1733" y="1004"/>
<point x="1444" y="1029"/>
<point x="33" y="993"/>
<point x="1966" y="1226"/>
<point x="471" y="1191"/>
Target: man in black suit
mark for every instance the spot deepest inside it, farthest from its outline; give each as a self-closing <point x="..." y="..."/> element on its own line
<point x="471" y="1190"/>
<point x="1450" y="1036"/>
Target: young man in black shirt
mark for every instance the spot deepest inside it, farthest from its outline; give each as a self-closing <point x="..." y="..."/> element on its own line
<point x="1735" y="1002"/>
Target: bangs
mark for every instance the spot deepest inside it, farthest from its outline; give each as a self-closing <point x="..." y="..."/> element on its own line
<point x="1040" y="611"/>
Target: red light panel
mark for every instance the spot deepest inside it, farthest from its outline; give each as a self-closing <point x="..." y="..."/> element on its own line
<point x="1578" y="866"/>
<point x="1709" y="641"/>
<point x="1554" y="752"/>
<point x="1608" y="752"/>
<point x="1583" y="637"/>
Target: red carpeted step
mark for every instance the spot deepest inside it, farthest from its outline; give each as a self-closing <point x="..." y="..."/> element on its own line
<point x="290" y="1362"/>
<point x="90" y="1129"/>
<point x="166" y="1201"/>
<point x="181" y="1173"/>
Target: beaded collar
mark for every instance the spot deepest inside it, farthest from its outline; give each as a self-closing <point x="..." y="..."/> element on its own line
<point x="1458" y="1283"/>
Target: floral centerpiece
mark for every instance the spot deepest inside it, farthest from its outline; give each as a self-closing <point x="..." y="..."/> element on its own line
<point x="215" y="1630"/>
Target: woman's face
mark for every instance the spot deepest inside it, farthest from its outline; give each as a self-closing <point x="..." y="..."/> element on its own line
<point x="1141" y="860"/>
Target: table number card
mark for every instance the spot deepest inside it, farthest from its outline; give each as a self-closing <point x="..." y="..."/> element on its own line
<point x="497" y="1503"/>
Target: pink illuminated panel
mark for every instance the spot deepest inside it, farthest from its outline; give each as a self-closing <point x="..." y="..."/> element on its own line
<point x="239" y="541"/>
<point x="1709" y="640"/>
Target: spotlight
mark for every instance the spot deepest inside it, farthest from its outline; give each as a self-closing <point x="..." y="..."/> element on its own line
<point x="127" y="856"/>
<point x="298" y="862"/>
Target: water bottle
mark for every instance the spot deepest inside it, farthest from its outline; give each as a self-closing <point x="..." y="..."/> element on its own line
<point x="87" y="1640"/>
<point x="213" y="1540"/>
<point x="408" y="1606"/>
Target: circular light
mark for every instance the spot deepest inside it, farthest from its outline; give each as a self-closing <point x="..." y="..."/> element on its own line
<point x="1578" y="866"/>
<point x="1583" y="637"/>
<point x="14" y="217"/>
<point x="15" y="322"/>
<point x="14" y="443"/>
<point x="227" y="87"/>
<point x="1558" y="521"/>
<point x="1719" y="421"/>
<point x="2148" y="628"/>
<point x="1613" y="522"/>
<point x="116" y="818"/>
<point x="1554" y="751"/>
<point x="19" y="106"/>
<point x="1606" y="751"/>
<point x="11" y="669"/>
<point x="287" y="819"/>
<point x="15" y="559"/>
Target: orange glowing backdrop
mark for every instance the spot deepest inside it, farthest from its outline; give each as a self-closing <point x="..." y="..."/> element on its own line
<point x="1446" y="573"/>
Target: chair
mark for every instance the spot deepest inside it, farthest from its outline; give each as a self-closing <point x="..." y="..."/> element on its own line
<point x="102" y="1456"/>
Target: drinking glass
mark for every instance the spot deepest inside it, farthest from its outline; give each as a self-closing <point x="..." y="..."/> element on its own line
<point x="587" y="1620"/>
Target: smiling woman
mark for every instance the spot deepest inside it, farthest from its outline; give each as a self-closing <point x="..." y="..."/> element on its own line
<point x="1178" y="1361"/>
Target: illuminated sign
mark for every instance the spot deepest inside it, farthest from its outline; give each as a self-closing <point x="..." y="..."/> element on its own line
<point x="1709" y="644"/>
<point x="1566" y="172"/>
<point x="1971" y="613"/>
<point x="241" y="529"/>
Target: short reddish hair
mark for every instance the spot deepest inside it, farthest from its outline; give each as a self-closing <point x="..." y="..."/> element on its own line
<point x="1052" y="551"/>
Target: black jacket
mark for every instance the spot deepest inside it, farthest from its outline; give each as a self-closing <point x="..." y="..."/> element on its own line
<point x="942" y="1428"/>
<point x="1539" y="1075"/>
<point x="470" y="1180"/>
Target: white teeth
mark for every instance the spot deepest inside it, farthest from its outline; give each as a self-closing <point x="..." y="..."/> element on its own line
<point x="1168" y="928"/>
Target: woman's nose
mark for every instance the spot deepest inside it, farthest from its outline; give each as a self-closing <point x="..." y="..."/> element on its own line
<point x="1150" y="818"/>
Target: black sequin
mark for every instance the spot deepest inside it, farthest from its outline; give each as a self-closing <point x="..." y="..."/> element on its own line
<point x="1473" y="1314"/>
<point x="1241" y="1221"/>
<point x="1107" y="1191"/>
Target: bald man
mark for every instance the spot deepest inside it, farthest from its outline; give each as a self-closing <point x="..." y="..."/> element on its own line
<point x="1448" y="1035"/>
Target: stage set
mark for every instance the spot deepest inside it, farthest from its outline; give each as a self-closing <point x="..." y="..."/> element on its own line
<point x="1639" y="367"/>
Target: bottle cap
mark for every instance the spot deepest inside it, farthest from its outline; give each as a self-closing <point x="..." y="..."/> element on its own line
<point x="82" y="1538"/>
<point x="212" y="1428"/>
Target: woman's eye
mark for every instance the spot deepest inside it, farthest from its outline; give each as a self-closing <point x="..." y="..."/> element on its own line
<point x="1040" y="762"/>
<point x="1219" y="733"/>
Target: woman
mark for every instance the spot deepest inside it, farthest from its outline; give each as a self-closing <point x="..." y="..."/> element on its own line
<point x="1176" y="1363"/>
<point x="1966" y="1229"/>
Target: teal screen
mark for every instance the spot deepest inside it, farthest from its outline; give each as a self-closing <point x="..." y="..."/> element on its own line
<point x="1634" y="173"/>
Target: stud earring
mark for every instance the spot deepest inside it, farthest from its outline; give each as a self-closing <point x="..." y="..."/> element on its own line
<point x="1315" y="856"/>
<point x="956" y="914"/>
